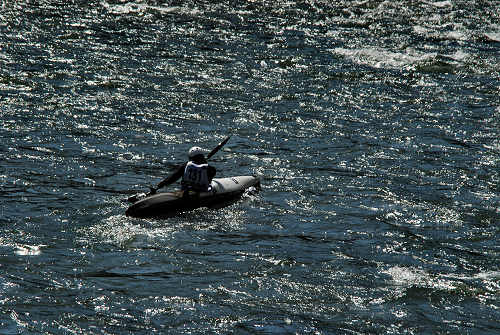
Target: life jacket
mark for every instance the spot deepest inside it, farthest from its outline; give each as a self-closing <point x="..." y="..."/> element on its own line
<point x="196" y="177"/>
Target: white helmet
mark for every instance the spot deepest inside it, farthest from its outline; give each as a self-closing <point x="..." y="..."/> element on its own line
<point x="195" y="151"/>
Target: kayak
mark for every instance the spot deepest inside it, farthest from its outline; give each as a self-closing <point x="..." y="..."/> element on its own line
<point x="224" y="191"/>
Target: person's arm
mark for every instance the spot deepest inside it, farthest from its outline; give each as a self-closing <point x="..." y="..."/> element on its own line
<point x="173" y="177"/>
<point x="211" y="172"/>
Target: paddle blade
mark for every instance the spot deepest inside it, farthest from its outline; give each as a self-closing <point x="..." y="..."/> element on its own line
<point x="137" y="197"/>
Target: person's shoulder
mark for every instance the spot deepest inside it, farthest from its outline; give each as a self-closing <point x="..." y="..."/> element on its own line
<point x="182" y="166"/>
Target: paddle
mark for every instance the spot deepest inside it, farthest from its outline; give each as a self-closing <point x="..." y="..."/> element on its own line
<point x="217" y="148"/>
<point x="153" y="190"/>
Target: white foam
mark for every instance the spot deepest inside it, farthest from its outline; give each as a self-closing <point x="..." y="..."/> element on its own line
<point x="28" y="250"/>
<point x="383" y="58"/>
<point x="488" y="275"/>
<point x="442" y="4"/>
<point x="141" y="8"/>
<point x="494" y="36"/>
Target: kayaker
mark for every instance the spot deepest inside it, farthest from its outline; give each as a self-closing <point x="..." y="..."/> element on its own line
<point x="196" y="173"/>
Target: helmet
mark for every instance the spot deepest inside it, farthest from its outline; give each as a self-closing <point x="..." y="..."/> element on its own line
<point x="195" y="151"/>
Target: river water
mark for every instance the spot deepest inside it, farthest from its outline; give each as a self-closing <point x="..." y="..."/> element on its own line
<point x="373" y="126"/>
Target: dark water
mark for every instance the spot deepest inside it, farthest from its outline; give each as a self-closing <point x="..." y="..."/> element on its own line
<point x="373" y="125"/>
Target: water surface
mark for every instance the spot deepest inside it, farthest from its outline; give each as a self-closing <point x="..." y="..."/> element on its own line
<point x="373" y="125"/>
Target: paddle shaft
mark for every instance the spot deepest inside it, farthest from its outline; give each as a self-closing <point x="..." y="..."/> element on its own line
<point x="217" y="148"/>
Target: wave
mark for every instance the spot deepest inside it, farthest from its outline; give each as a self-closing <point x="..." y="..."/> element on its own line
<point x="143" y="8"/>
<point x="411" y="59"/>
<point x="417" y="61"/>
